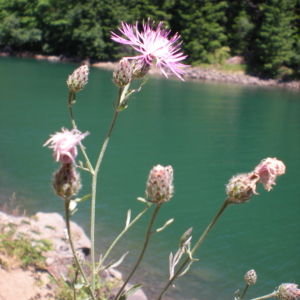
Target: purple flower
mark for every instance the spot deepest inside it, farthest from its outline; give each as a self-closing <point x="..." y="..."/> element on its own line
<point x="268" y="170"/>
<point x="64" y="144"/>
<point x="153" y="44"/>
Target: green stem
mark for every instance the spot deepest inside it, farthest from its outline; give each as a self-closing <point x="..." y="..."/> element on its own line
<point x="274" y="294"/>
<point x="93" y="200"/>
<point x="147" y="237"/>
<point x="207" y="230"/>
<point x="120" y="235"/>
<point x="244" y="292"/>
<point x="67" y="202"/>
<point x="88" y="163"/>
<point x="75" y="281"/>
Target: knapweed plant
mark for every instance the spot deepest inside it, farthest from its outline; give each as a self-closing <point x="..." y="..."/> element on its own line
<point x="154" y="47"/>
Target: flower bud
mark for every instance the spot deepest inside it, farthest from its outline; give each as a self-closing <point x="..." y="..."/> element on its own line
<point x="66" y="181"/>
<point x="80" y="257"/>
<point x="78" y="79"/>
<point x="123" y="73"/>
<point x="241" y="188"/>
<point x="268" y="170"/>
<point x="160" y="183"/>
<point x="140" y="69"/>
<point x="288" y="291"/>
<point x="250" y="277"/>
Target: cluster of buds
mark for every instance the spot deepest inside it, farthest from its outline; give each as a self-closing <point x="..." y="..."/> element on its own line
<point x="66" y="181"/>
<point x="243" y="186"/>
<point x="126" y="71"/>
<point x="288" y="291"/>
<point x="160" y="184"/>
<point x="78" y="79"/>
<point x="251" y="277"/>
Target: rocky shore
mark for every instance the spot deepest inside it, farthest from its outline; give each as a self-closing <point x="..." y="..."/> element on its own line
<point x="193" y="73"/>
<point x="203" y="74"/>
<point x="28" y="284"/>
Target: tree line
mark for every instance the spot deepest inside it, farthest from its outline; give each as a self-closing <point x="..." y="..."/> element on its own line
<point x="265" y="32"/>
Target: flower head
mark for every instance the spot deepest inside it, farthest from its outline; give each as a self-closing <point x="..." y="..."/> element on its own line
<point x="251" y="277"/>
<point x="288" y="291"/>
<point x="241" y="188"/>
<point x="268" y="170"/>
<point x="123" y="73"/>
<point x="152" y="44"/>
<point x="78" y="79"/>
<point x="160" y="183"/>
<point x="64" y="144"/>
<point x="66" y="181"/>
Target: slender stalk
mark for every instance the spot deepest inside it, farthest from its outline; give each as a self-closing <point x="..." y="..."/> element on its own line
<point x="93" y="200"/>
<point x="147" y="237"/>
<point x="94" y="185"/>
<point x="67" y="202"/>
<point x="88" y="163"/>
<point x="120" y="235"/>
<point x="207" y="230"/>
<point x="244" y="292"/>
<point x="75" y="280"/>
<point x="274" y="294"/>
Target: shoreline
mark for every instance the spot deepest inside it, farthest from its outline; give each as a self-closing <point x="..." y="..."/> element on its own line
<point x="192" y="74"/>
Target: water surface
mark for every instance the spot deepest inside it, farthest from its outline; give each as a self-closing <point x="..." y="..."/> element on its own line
<point x="207" y="131"/>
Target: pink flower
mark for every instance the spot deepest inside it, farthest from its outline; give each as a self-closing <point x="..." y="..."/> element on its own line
<point x="268" y="170"/>
<point x="153" y="44"/>
<point x="64" y="144"/>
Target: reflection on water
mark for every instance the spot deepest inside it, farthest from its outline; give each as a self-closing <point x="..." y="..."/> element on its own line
<point x="207" y="132"/>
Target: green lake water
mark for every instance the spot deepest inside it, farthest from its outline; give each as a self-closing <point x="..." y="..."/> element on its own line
<point x="207" y="131"/>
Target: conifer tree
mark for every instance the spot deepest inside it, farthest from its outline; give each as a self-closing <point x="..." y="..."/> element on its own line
<point x="201" y="24"/>
<point x="274" y="42"/>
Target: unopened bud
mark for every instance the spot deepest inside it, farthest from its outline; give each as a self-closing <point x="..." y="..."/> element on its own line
<point x="250" y="277"/>
<point x="160" y="183"/>
<point x="288" y="291"/>
<point x="140" y="69"/>
<point x="80" y="257"/>
<point x="66" y="181"/>
<point x="123" y="73"/>
<point x="241" y="188"/>
<point x="78" y="79"/>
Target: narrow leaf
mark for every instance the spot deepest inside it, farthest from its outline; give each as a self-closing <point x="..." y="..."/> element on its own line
<point x="120" y="260"/>
<point x="131" y="291"/>
<point x="73" y="212"/>
<point x="128" y="218"/>
<point x="83" y="198"/>
<point x="78" y="286"/>
<point x="171" y="267"/>
<point x="107" y="266"/>
<point x="65" y="280"/>
<point x="72" y="205"/>
<point x="162" y="228"/>
<point x="142" y="199"/>
<point x="187" y="268"/>
<point x="185" y="236"/>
